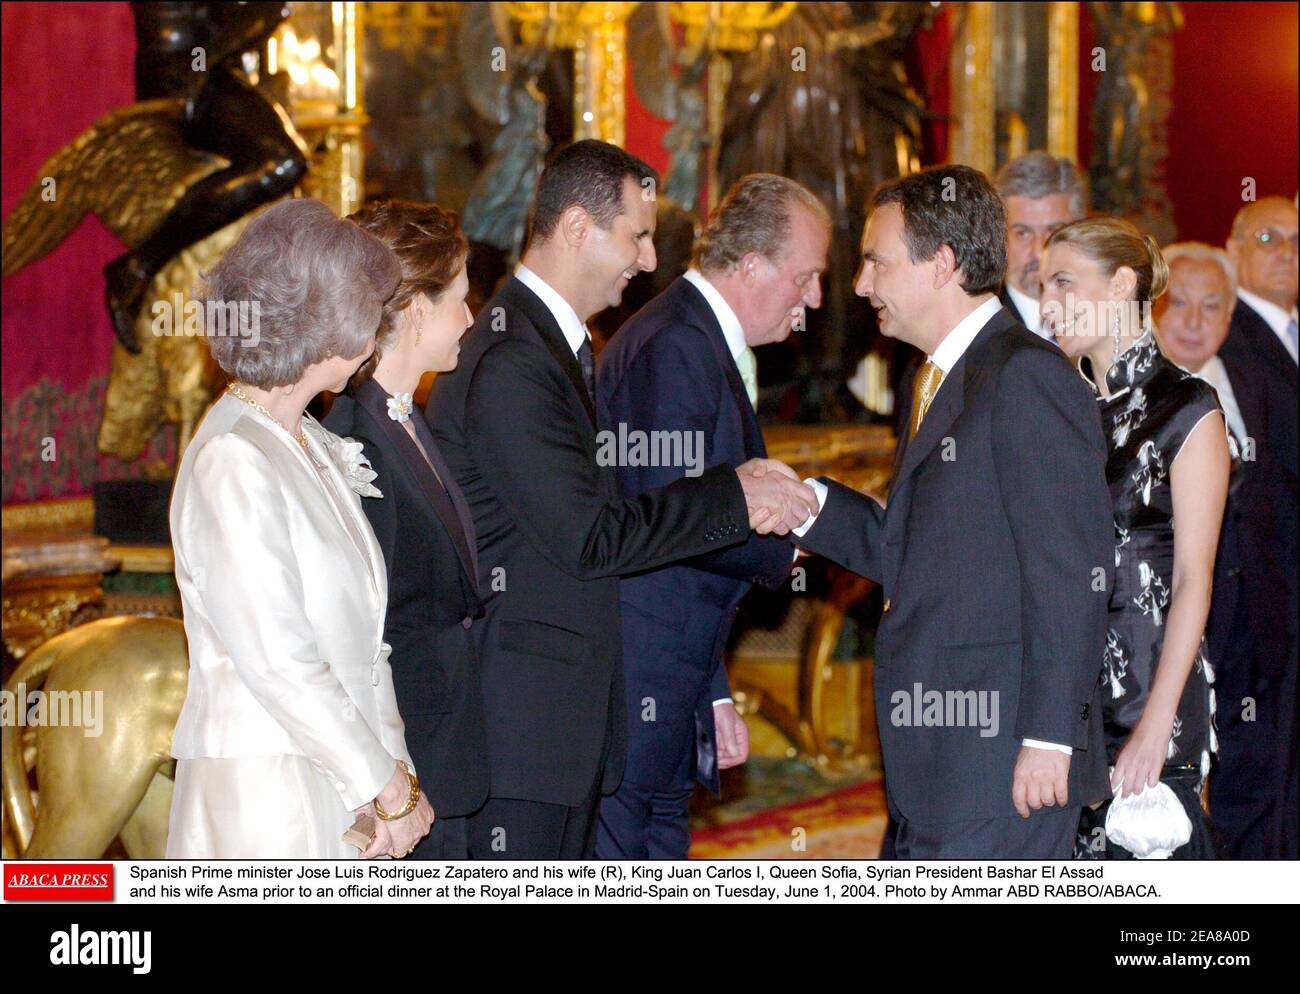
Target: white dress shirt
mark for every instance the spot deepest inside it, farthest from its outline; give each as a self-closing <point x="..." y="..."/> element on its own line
<point x="1031" y="313"/>
<point x="949" y="351"/>
<point x="575" y="332"/>
<point x="1274" y="317"/>
<point x="734" y="334"/>
<point x="1216" y="375"/>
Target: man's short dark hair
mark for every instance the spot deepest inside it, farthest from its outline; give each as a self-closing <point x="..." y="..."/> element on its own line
<point x="590" y="174"/>
<point x="958" y="207"/>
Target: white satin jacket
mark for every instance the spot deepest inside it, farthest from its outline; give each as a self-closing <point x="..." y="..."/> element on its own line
<point x="284" y="592"/>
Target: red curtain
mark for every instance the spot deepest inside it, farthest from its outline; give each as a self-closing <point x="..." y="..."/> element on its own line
<point x="64" y="65"/>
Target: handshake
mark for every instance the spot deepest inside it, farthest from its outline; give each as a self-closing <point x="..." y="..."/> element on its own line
<point x="776" y="498"/>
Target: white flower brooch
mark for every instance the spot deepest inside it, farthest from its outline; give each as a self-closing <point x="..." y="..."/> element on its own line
<point x="347" y="455"/>
<point x="399" y="407"/>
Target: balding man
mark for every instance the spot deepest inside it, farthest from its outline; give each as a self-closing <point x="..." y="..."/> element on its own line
<point x="1247" y="630"/>
<point x="1263" y="338"/>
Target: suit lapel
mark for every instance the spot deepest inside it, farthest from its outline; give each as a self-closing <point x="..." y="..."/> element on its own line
<point x="345" y="503"/>
<point x="950" y="399"/>
<point x="699" y="306"/>
<point x="1263" y="342"/>
<point x="372" y="399"/>
<point x="548" y="329"/>
<point x="944" y="409"/>
<point x="453" y="493"/>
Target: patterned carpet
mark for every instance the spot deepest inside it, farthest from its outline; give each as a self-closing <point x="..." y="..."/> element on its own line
<point x="787" y="811"/>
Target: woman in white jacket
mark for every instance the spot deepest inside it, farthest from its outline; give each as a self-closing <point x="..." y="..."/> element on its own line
<point x="290" y="727"/>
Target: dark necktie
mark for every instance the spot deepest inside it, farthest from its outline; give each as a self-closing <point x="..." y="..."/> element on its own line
<point x="586" y="360"/>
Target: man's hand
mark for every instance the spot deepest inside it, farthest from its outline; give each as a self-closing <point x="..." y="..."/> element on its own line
<point x="732" y="735"/>
<point x="1041" y="778"/>
<point x="776" y="499"/>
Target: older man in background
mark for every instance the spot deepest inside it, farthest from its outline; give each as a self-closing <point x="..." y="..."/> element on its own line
<point x="1040" y="193"/>
<point x="1263" y="337"/>
<point x="1247" y="628"/>
<point x="682" y="365"/>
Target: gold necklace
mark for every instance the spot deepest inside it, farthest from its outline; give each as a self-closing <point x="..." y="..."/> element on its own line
<point x="234" y="388"/>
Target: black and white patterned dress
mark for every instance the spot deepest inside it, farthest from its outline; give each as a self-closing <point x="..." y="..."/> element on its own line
<point x="1152" y="408"/>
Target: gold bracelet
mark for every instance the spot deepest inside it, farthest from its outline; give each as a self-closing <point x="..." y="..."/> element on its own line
<point x="412" y="797"/>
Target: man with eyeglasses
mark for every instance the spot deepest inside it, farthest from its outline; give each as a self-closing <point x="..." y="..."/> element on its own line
<point x="1261" y="353"/>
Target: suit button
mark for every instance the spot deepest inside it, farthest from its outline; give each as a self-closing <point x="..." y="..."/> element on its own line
<point x="1087" y="710"/>
<point x="466" y="622"/>
<point x="888" y="604"/>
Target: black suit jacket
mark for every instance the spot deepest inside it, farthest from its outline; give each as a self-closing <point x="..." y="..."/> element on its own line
<point x="669" y="370"/>
<point x="1264" y="381"/>
<point x="1250" y="606"/>
<point x="996" y="557"/>
<point x="427" y="536"/>
<point x="517" y="427"/>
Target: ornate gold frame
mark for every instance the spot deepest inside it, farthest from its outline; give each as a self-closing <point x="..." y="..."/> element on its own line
<point x="974" y="122"/>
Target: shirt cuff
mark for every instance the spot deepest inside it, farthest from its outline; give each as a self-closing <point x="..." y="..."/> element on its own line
<point x="1037" y="744"/>
<point x="820" y="490"/>
<point x="723" y="700"/>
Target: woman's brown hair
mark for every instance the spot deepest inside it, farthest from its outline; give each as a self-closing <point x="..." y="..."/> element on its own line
<point x="429" y="244"/>
<point x="1112" y="242"/>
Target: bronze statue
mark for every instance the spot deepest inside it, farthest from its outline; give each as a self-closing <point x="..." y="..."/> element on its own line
<point x="669" y="82"/>
<point x="192" y="52"/>
<point x="827" y="102"/>
<point x="496" y="213"/>
<point x="132" y="169"/>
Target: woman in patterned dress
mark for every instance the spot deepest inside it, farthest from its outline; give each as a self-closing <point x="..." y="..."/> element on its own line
<point x="1169" y="461"/>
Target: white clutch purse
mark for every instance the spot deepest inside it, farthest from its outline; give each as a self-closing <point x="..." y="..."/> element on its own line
<point x="1150" y="825"/>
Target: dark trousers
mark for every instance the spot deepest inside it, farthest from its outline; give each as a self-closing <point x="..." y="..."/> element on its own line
<point x="1047" y="833"/>
<point x="1253" y="793"/>
<point x="505" y="828"/>
<point x="639" y="822"/>
<point x="448" y="839"/>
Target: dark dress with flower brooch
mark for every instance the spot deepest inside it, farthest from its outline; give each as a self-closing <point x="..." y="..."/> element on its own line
<point x="1152" y="408"/>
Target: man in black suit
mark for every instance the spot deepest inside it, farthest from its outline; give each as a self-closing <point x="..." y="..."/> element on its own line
<point x="677" y="370"/>
<point x="995" y="552"/>
<point x="1040" y="192"/>
<point x="1261" y="349"/>
<point x="516" y="423"/>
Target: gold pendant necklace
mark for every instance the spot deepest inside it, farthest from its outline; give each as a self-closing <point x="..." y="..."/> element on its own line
<point x="234" y="388"/>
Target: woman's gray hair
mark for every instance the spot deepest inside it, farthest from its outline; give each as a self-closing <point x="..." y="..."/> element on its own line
<point x="754" y="216"/>
<point x="303" y="285"/>
<point x="1200" y="252"/>
<point x="1039" y="174"/>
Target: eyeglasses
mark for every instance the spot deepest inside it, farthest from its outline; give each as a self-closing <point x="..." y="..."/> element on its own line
<point x="1270" y="240"/>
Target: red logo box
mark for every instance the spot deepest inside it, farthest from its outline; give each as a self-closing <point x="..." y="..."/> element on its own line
<point x="58" y="881"/>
